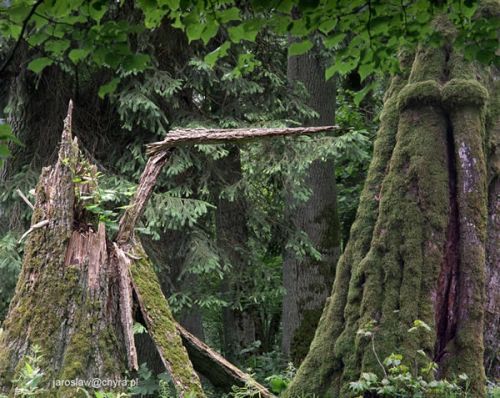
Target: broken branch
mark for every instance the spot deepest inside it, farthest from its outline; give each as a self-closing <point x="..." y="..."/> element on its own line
<point x="214" y="136"/>
<point x="33" y="228"/>
<point x="26" y="200"/>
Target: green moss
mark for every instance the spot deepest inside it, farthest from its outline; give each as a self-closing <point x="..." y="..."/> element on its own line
<point x="161" y="325"/>
<point x="428" y="64"/>
<point x="419" y="94"/>
<point x="461" y="92"/>
<point x="304" y="334"/>
<point x="52" y="306"/>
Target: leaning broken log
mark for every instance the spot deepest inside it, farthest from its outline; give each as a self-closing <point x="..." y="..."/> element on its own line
<point x="79" y="293"/>
<point x="221" y="373"/>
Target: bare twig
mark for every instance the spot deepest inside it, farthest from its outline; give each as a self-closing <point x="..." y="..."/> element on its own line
<point x="33" y="228"/>
<point x="26" y="200"/>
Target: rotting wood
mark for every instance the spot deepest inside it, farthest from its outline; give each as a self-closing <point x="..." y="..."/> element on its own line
<point x="146" y="185"/>
<point x="123" y="265"/>
<point x="110" y="276"/>
<point x="215" y="136"/>
<point x="219" y="371"/>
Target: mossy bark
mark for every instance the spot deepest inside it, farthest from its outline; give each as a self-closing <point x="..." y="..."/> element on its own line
<point x="64" y="299"/>
<point x="417" y="247"/>
<point x="492" y="305"/>
<point x="162" y="326"/>
<point x="74" y="295"/>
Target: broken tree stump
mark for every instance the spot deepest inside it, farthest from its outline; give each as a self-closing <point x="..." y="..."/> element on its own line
<point x="74" y="294"/>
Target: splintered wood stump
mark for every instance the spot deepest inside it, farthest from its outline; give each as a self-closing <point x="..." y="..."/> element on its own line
<point x="74" y="295"/>
<point x="79" y="292"/>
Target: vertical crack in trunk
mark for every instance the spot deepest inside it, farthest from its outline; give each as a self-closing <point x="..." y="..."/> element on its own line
<point x="446" y="293"/>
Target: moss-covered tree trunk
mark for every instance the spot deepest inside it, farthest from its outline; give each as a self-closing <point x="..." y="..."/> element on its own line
<point x="75" y="294"/>
<point x="307" y="281"/>
<point x="492" y="306"/>
<point x="417" y="247"/>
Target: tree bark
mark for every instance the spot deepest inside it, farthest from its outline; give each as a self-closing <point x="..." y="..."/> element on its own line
<point x="417" y="247"/>
<point x="492" y="307"/>
<point x="214" y="136"/>
<point x="74" y="295"/>
<point x="232" y="237"/>
<point x="308" y="281"/>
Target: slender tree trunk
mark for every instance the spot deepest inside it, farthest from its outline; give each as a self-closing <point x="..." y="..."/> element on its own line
<point x="232" y="237"/>
<point x="307" y="281"/>
<point x="417" y="247"/>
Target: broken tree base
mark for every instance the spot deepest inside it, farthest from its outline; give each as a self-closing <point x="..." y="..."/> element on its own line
<point x="74" y="295"/>
<point x="77" y="289"/>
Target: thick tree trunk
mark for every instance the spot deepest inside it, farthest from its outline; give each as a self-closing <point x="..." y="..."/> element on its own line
<point x="308" y="281"/>
<point x="417" y="247"/>
<point x="492" y="307"/>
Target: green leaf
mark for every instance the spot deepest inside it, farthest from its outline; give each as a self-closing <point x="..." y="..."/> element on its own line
<point x="4" y="151"/>
<point x="5" y="132"/>
<point x="245" y="31"/>
<point x="210" y="31"/>
<point x="109" y="87"/>
<point x="328" y="25"/>
<point x="358" y="97"/>
<point x="299" y="48"/>
<point x="194" y="31"/>
<point x="365" y="70"/>
<point x="211" y="58"/>
<point x="136" y="62"/>
<point x="229" y="14"/>
<point x="77" y="54"/>
<point x="334" y="40"/>
<point x="57" y="46"/>
<point x="97" y="9"/>
<point x="39" y="64"/>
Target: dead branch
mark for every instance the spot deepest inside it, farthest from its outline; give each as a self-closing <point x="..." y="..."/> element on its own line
<point x="159" y="153"/>
<point x="221" y="373"/>
<point x="146" y="185"/>
<point x="38" y="225"/>
<point x="215" y="136"/>
<point x="125" y="285"/>
<point x="26" y="200"/>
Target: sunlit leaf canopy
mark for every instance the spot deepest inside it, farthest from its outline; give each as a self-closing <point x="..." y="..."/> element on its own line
<point x="359" y="35"/>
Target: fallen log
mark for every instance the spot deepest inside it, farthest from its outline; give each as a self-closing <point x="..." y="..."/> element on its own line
<point x="218" y="370"/>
